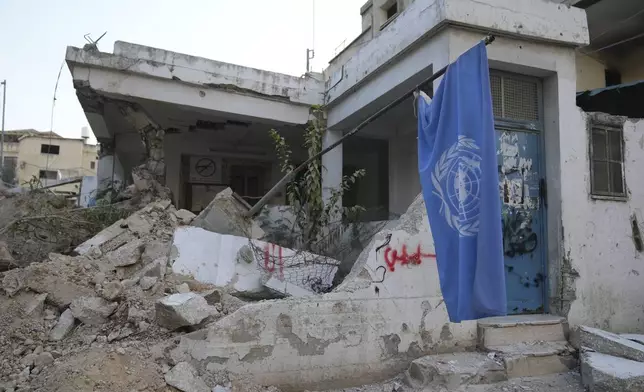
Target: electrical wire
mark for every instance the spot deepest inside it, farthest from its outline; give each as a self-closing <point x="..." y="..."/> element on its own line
<point x="53" y="105"/>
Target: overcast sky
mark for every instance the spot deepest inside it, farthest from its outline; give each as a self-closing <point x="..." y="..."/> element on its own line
<point x="266" y="34"/>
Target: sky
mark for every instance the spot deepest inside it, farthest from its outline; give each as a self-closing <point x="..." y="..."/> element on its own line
<point x="266" y="34"/>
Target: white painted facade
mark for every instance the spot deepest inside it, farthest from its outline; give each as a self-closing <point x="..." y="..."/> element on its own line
<point x="598" y="236"/>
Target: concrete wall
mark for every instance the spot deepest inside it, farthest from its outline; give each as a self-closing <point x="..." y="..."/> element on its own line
<point x="608" y="278"/>
<point x="361" y="77"/>
<point x="404" y="182"/>
<point x="368" y="330"/>
<point x="632" y="66"/>
<point x="590" y="73"/>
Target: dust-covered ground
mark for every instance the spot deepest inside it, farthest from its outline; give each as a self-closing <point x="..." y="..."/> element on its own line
<point x="565" y="382"/>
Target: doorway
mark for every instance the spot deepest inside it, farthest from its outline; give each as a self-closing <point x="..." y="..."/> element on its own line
<point x="519" y="129"/>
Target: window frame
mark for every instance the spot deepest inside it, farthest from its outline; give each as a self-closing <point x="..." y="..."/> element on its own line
<point x="41" y="171"/>
<point x="48" y="149"/>
<point x="388" y="6"/>
<point x="92" y="165"/>
<point x="606" y="124"/>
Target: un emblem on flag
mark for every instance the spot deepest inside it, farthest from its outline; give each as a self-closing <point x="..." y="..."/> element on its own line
<point x="456" y="179"/>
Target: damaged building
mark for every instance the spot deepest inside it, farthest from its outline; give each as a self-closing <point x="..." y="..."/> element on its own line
<point x="567" y="157"/>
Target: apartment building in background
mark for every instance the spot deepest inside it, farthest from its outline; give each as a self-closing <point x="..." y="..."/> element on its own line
<point x="36" y="157"/>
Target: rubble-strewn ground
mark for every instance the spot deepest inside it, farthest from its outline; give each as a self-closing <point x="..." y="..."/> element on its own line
<point x="114" y="343"/>
<point x="566" y="382"/>
<point x="106" y="319"/>
<point x="36" y="223"/>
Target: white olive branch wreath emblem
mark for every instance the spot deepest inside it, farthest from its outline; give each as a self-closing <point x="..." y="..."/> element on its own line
<point x="470" y="227"/>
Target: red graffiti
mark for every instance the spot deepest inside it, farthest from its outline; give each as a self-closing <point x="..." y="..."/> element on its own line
<point x="271" y="252"/>
<point x="392" y="257"/>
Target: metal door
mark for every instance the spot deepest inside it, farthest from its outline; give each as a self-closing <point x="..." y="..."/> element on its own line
<point x="521" y="178"/>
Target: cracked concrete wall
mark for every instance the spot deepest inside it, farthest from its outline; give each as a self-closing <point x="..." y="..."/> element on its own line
<point x="388" y="312"/>
<point x="605" y="274"/>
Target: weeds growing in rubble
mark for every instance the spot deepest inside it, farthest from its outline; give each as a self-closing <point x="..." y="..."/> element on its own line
<point x="38" y="222"/>
<point x="312" y="218"/>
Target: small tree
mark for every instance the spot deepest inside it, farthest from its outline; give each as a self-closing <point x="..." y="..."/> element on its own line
<point x="313" y="219"/>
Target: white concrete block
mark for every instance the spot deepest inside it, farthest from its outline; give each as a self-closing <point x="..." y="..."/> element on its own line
<point x="605" y="373"/>
<point x="239" y="264"/>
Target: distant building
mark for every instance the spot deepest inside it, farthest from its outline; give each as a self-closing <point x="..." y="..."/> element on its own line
<point x="31" y="156"/>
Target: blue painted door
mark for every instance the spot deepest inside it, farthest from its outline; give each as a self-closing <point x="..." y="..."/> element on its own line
<point x="523" y="216"/>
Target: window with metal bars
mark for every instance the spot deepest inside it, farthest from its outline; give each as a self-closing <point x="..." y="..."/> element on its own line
<point x="515" y="98"/>
<point x="607" y="161"/>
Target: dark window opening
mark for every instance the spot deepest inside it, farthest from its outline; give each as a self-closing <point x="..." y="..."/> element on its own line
<point x="48" y="174"/>
<point x="606" y="162"/>
<point x="392" y="11"/>
<point x="49" y="149"/>
<point x="92" y="165"/>
<point x="613" y="77"/>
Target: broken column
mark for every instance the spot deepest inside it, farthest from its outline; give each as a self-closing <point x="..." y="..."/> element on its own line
<point x="109" y="170"/>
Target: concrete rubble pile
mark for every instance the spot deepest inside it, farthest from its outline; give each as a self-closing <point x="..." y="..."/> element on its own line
<point x="122" y="298"/>
<point x="240" y="261"/>
<point x="611" y="362"/>
<point x="115" y="303"/>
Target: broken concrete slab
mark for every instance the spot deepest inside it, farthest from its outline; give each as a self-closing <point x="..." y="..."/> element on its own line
<point x="212" y="296"/>
<point x="369" y="328"/>
<point x="138" y="224"/>
<point x="147" y="282"/>
<point x="45" y="278"/>
<point x="107" y="234"/>
<point x="286" y="289"/>
<point x="154" y="250"/>
<point x="610" y="344"/>
<point x="111" y="290"/>
<point x="64" y="325"/>
<point x="185" y="378"/>
<point x="633" y="337"/>
<point x="126" y="255"/>
<point x="184" y="217"/>
<point x="36" y="306"/>
<point x="92" y="310"/>
<point x="607" y="373"/>
<point x="455" y="370"/>
<point x="226" y="215"/>
<point x="183" y="310"/>
<point x="240" y="264"/>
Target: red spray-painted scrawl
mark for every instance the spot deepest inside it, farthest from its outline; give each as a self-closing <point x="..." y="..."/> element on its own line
<point x="392" y="257"/>
<point x="271" y="252"/>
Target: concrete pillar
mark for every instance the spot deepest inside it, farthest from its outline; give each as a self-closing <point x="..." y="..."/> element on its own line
<point x="331" y="165"/>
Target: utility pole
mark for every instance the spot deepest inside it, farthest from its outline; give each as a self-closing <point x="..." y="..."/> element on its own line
<point x="4" y="100"/>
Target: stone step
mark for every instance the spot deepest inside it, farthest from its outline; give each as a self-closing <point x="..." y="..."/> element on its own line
<point x="454" y="370"/>
<point x="510" y="330"/>
<point x="533" y="359"/>
<point x="606" y="373"/>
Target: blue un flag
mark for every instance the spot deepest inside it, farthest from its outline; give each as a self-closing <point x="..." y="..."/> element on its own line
<point x="458" y="173"/>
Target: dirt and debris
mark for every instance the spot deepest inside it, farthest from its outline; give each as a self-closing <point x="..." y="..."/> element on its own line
<point x="90" y="322"/>
<point x="106" y="316"/>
